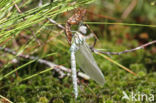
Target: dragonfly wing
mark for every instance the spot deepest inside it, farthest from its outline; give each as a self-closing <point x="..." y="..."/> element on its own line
<point x="86" y="62"/>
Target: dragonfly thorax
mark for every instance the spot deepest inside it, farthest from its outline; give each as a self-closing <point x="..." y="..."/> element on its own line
<point x="78" y="40"/>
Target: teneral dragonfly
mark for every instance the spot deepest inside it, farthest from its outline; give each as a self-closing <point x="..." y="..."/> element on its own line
<point x="81" y="53"/>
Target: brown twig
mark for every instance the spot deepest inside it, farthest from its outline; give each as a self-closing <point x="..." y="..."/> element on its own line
<point x="16" y="6"/>
<point x="19" y="11"/>
<point x="129" y="9"/>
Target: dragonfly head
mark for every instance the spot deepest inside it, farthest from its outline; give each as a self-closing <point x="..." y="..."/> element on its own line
<point x="83" y="29"/>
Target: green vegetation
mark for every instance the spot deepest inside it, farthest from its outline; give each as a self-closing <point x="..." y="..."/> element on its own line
<point x="27" y="30"/>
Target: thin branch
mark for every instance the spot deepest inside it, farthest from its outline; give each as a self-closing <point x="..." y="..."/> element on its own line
<point x="57" y="24"/>
<point x="126" y="51"/>
<point x="6" y="100"/>
<point x="46" y="62"/>
<point x="19" y="11"/>
<point x="16" y="6"/>
<point x="51" y="20"/>
<point x="129" y="9"/>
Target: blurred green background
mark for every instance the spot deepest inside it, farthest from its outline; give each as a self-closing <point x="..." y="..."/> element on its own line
<point x="114" y="22"/>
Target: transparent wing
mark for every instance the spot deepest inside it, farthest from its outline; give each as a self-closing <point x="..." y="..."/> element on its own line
<point x="86" y="62"/>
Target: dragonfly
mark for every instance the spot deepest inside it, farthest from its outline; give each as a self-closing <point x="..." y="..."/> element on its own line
<point x="81" y="53"/>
